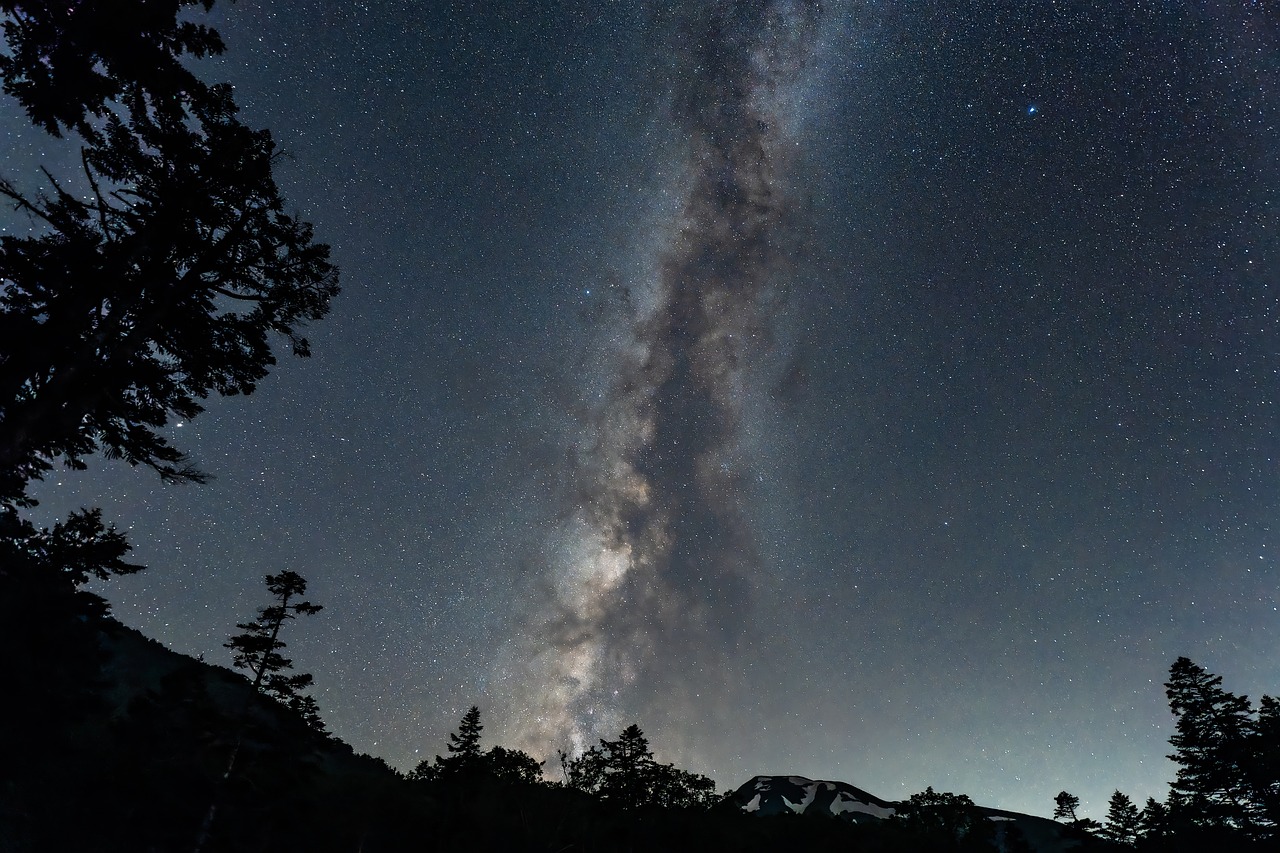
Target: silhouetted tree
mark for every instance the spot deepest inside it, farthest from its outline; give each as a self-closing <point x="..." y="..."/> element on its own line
<point x="944" y="820"/>
<point x="68" y="61"/>
<point x="617" y="770"/>
<point x="1153" y="821"/>
<point x="624" y="772"/>
<point x="45" y="610"/>
<point x="258" y="648"/>
<point x="1123" y="819"/>
<point x="1264" y="761"/>
<point x="512" y="766"/>
<point x="467" y="763"/>
<point x="1213" y="744"/>
<point x="162" y="280"/>
<point x="78" y="550"/>
<point x="465" y="742"/>
<point x="1064" y="807"/>
<point x="50" y="625"/>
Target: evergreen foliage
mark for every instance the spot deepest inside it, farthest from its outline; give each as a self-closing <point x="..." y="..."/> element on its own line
<point x="464" y="744"/>
<point x="46" y="613"/>
<point x="1123" y="819"/>
<point x="467" y="763"/>
<point x="1064" y="807"/>
<point x="53" y="669"/>
<point x="624" y="772"/>
<point x="1214" y="749"/>
<point x="68" y="61"/>
<point x="1264" y="761"/>
<point x="161" y="282"/>
<point x="1153" y="821"/>
<point x="142" y="777"/>
<point x="258" y="648"/>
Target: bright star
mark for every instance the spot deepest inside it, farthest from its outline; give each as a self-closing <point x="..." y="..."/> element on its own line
<point x="1032" y="110"/>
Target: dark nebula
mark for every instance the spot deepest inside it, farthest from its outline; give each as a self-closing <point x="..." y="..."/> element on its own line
<point x="662" y="488"/>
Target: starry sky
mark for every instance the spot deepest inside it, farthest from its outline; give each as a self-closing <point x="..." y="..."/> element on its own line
<point x="866" y="390"/>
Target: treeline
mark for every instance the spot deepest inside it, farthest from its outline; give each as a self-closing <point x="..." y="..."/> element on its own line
<point x="620" y="772"/>
<point x="1226" y="795"/>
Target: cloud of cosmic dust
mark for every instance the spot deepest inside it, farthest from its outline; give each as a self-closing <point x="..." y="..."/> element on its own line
<point x="647" y="590"/>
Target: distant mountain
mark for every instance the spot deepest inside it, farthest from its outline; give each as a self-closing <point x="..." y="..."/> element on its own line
<point x="772" y="795"/>
<point x="780" y="795"/>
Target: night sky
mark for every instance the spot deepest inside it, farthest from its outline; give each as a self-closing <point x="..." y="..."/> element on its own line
<point x="873" y="391"/>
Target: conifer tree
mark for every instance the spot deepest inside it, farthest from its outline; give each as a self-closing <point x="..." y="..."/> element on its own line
<point x="1153" y="822"/>
<point x="464" y="752"/>
<point x="51" y="626"/>
<point x="46" y="611"/>
<point x="1213" y="744"/>
<point x="67" y="62"/>
<point x="1065" y="806"/>
<point x="258" y="648"/>
<point x="466" y="762"/>
<point x="1123" y="819"/>
<point x="464" y="744"/>
<point x="1264" y="773"/>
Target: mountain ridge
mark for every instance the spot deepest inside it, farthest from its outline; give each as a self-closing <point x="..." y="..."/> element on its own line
<point x="768" y="795"/>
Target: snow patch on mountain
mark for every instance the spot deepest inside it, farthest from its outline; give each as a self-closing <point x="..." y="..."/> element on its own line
<point x="797" y="794"/>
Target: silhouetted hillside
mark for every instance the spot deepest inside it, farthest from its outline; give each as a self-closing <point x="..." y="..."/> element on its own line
<point x="138" y="761"/>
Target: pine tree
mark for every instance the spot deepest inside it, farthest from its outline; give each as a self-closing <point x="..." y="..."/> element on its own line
<point x="66" y="62"/>
<point x="1065" y="806"/>
<point x="1213" y="742"/>
<point x="464" y="744"/>
<point x="467" y="763"/>
<point x="630" y="763"/>
<point x="1153" y="822"/>
<point x="1264" y="775"/>
<point x="1122" y="819"/>
<point x="258" y="648"/>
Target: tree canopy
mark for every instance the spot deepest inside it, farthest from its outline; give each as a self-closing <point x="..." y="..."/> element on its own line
<point x="940" y="819"/>
<point x="624" y="772"/>
<point x="158" y="276"/>
<point x="1227" y="756"/>
<point x="1123" y="819"/>
<point x="1065" y="805"/>
<point x="258" y="648"/>
<point x="468" y="763"/>
<point x="68" y="62"/>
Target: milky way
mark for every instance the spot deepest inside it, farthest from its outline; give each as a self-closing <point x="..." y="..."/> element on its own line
<point x="654" y="572"/>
